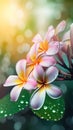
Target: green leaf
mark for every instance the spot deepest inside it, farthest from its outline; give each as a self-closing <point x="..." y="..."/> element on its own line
<point x="8" y="107"/>
<point x="53" y="109"/>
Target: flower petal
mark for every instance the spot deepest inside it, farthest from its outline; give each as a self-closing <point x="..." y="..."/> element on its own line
<point x="66" y="36"/>
<point x="12" y="80"/>
<point x="47" y="61"/>
<point x="30" y="85"/>
<point x="15" y="92"/>
<point x="51" y="74"/>
<point x="21" y="68"/>
<point x="32" y="51"/>
<point x="53" y="49"/>
<point x="61" y="26"/>
<point x="37" y="39"/>
<point x="50" y="33"/>
<point x="29" y="69"/>
<point x="53" y="91"/>
<point x="37" y="99"/>
<point x="71" y="35"/>
<point x="38" y="73"/>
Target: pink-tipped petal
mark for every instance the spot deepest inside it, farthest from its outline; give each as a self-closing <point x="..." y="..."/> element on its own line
<point x="12" y="80"/>
<point x="47" y="61"/>
<point x="37" y="38"/>
<point x="53" y="49"/>
<point x="71" y="35"/>
<point x="37" y="99"/>
<point x="53" y="91"/>
<point x="30" y="85"/>
<point x="66" y="36"/>
<point x="38" y="73"/>
<point x="50" y="33"/>
<point x="15" y="92"/>
<point x="21" y="68"/>
<point x="61" y="26"/>
<point x="33" y="51"/>
<point x="51" y="74"/>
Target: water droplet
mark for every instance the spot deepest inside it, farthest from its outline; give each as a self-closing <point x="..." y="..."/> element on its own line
<point x="48" y="115"/>
<point x="10" y="114"/>
<point x="21" y="102"/>
<point x="61" y="112"/>
<point x="23" y="96"/>
<point x="42" y="117"/>
<point x="45" y="113"/>
<point x="53" y="111"/>
<point x="1" y="111"/>
<point x="55" y="119"/>
<point x="19" y="106"/>
<point x="5" y="115"/>
<point x="45" y="107"/>
<point x="26" y="102"/>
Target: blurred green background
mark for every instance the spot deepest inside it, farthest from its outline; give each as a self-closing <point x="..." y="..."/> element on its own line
<point x="20" y="20"/>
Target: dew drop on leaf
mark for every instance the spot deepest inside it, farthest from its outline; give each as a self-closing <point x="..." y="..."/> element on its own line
<point x="53" y="109"/>
<point x="8" y="107"/>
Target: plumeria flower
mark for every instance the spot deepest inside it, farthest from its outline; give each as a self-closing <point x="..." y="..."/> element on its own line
<point x="51" y="44"/>
<point x="33" y="59"/>
<point x="20" y="81"/>
<point x="44" y="80"/>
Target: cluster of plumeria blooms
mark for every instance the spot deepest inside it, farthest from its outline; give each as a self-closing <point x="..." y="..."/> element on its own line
<point x="39" y="70"/>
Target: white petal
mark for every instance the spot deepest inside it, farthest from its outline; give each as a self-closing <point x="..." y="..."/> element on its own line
<point x="53" y="49"/>
<point x="12" y="80"/>
<point x="47" y="61"/>
<point x="15" y="92"/>
<point x="53" y="91"/>
<point x="51" y="74"/>
<point x="38" y="73"/>
<point x="61" y="26"/>
<point x="37" y="39"/>
<point x="21" y="68"/>
<point x="37" y="99"/>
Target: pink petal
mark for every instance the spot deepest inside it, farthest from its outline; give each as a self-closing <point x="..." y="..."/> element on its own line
<point x="38" y="73"/>
<point x="51" y="74"/>
<point x="61" y="26"/>
<point x="37" y="39"/>
<point x="21" y="68"/>
<point x="32" y="52"/>
<point x="66" y="36"/>
<point x="30" y="85"/>
<point x="53" y="91"/>
<point x="37" y="99"/>
<point x="53" y="49"/>
<point x="71" y="34"/>
<point x="47" y="61"/>
<point x="50" y="33"/>
<point x="15" y="92"/>
<point x="12" y="80"/>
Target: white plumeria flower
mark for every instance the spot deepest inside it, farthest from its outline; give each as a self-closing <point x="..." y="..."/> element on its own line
<point x="44" y="78"/>
<point x="51" y="43"/>
<point x="20" y="81"/>
<point x="33" y="59"/>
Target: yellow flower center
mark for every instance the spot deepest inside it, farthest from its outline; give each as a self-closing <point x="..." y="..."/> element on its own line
<point x="43" y="46"/>
<point x="35" y="60"/>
